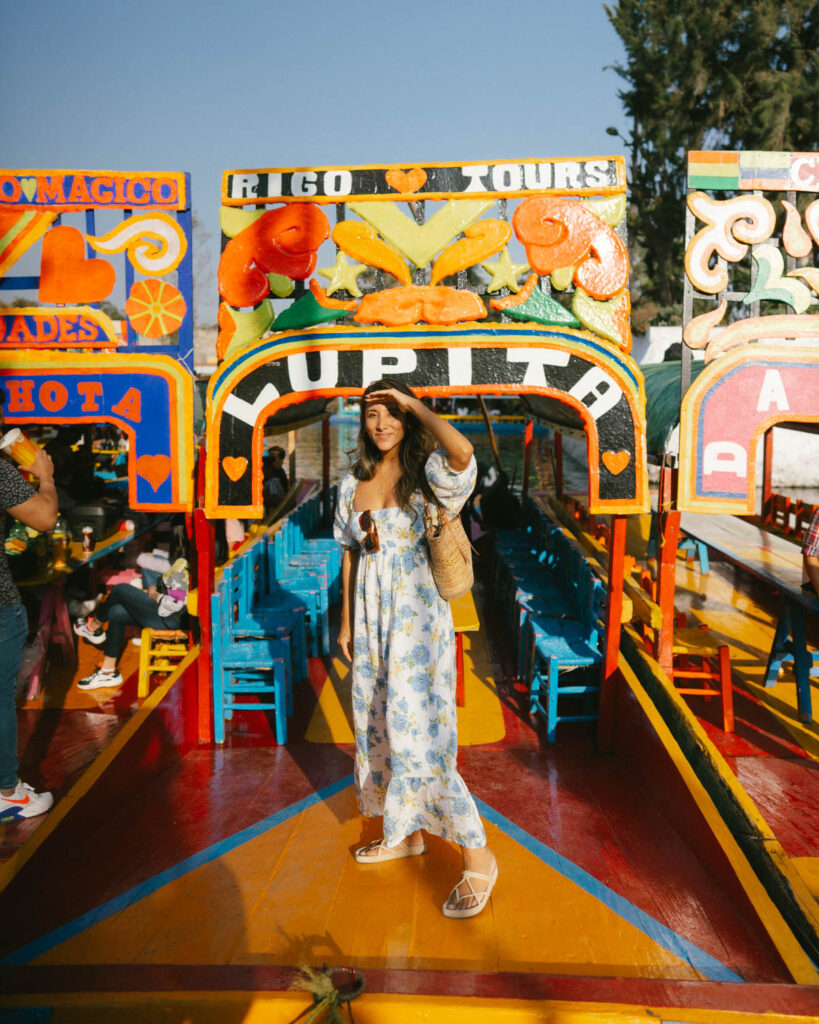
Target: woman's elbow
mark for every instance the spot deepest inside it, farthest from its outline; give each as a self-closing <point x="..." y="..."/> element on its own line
<point x="460" y="457"/>
<point x="46" y="522"/>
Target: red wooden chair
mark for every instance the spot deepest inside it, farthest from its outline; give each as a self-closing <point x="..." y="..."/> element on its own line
<point x="697" y="655"/>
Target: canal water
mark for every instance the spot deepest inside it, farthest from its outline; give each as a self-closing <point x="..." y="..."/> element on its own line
<point x="509" y="437"/>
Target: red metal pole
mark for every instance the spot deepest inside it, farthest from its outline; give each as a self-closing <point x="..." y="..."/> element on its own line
<point x="528" y="434"/>
<point x="668" y="535"/>
<point x="203" y="533"/>
<point x="767" y="468"/>
<point x="558" y="449"/>
<point x="608" y="688"/>
<point x="325" y="468"/>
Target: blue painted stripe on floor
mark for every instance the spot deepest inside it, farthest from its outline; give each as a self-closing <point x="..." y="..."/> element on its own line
<point x="701" y="961"/>
<point x="150" y="885"/>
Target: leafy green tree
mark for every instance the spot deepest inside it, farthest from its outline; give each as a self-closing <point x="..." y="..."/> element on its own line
<point x="724" y="75"/>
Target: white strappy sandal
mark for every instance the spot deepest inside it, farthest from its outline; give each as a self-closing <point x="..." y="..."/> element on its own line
<point x="377" y="852"/>
<point x="481" y="898"/>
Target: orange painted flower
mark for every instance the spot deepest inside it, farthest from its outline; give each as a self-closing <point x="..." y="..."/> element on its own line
<point x="155" y="308"/>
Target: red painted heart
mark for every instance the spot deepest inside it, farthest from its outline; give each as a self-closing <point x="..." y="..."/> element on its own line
<point x="66" y="276"/>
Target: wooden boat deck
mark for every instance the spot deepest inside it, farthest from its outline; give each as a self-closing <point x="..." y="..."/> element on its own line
<point x="774" y="755"/>
<point x="227" y="868"/>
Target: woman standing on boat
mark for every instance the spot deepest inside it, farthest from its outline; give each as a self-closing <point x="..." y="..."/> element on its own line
<point x="397" y="631"/>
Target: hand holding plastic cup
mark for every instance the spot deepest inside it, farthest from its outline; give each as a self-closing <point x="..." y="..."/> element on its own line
<point x="20" y="447"/>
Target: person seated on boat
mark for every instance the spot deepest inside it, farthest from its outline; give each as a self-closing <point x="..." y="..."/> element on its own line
<point x="499" y="505"/>
<point x="397" y="631"/>
<point x="159" y="604"/>
<point x="73" y="456"/>
<point x="274" y="475"/>
<point x="810" y="555"/>
<point x="37" y="509"/>
<point x="471" y="515"/>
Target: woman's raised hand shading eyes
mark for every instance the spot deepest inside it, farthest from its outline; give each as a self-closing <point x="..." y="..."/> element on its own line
<point x="391" y="397"/>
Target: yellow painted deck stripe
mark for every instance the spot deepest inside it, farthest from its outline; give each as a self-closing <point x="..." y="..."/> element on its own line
<point x="370" y="1008"/>
<point x="480" y="720"/>
<point x="92" y="773"/>
<point x="808" y="868"/>
<point x="781" y="702"/>
<point x="802" y="969"/>
<point x="330" y="722"/>
<point x="294" y="894"/>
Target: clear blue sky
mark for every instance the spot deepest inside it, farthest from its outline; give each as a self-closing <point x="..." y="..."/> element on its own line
<point x="201" y="86"/>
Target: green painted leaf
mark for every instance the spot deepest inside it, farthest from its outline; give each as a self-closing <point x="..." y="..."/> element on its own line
<point x="306" y="312"/>
<point x="543" y="309"/>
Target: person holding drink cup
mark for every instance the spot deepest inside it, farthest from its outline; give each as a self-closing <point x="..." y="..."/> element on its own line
<point x="37" y="509"/>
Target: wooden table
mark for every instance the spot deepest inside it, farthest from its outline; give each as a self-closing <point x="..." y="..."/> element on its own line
<point x="465" y="620"/>
<point x="778" y="563"/>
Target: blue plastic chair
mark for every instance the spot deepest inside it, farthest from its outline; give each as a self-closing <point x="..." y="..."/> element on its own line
<point x="264" y="610"/>
<point x="244" y="667"/>
<point x="308" y="583"/>
<point x="563" y="645"/>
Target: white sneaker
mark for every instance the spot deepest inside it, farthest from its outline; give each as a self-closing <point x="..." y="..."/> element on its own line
<point x="95" y="637"/>
<point x="99" y="679"/>
<point x="24" y="803"/>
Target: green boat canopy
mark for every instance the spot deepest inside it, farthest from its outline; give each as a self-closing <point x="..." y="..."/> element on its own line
<point x="663" y="401"/>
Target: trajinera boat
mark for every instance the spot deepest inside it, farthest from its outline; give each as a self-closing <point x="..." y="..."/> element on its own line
<point x="643" y="768"/>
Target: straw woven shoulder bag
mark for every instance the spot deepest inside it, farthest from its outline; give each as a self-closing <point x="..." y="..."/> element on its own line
<point x="450" y="553"/>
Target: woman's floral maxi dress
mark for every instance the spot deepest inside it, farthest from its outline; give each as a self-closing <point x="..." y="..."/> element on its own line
<point x="403" y="681"/>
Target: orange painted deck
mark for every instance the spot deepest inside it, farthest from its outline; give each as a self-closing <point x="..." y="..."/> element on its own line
<point x="213" y="873"/>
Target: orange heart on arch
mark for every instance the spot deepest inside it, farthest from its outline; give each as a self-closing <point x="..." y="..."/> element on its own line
<point x="406" y="181"/>
<point x="154" y="468"/>
<point x="234" y="466"/>
<point x="616" y="462"/>
<point x="66" y="276"/>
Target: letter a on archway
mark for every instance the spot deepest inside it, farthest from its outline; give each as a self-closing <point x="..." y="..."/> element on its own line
<point x="725" y="411"/>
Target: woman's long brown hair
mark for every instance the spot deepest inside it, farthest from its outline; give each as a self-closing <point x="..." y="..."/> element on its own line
<point x="416" y="446"/>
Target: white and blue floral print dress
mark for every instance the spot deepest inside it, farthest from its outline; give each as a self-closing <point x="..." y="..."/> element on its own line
<point x="403" y="682"/>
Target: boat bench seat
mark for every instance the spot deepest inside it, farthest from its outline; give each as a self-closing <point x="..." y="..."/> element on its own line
<point x="277" y="588"/>
<point x="553" y="607"/>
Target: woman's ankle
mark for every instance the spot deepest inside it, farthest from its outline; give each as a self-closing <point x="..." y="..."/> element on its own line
<point x="481" y="860"/>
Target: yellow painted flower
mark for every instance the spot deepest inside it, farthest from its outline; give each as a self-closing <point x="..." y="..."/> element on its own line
<point x="155" y="308"/>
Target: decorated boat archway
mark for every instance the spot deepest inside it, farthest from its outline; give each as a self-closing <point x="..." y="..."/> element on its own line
<point x="82" y="237"/>
<point x="548" y="317"/>
<point x="549" y="365"/>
